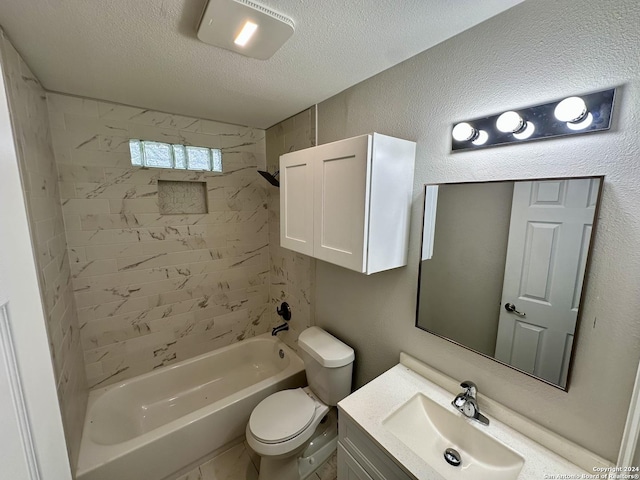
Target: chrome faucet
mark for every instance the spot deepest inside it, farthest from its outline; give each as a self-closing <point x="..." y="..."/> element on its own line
<point x="467" y="404"/>
<point x="280" y="328"/>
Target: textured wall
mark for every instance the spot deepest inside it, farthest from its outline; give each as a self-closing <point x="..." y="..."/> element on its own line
<point x="39" y="178"/>
<point x="292" y="274"/>
<point x="155" y="289"/>
<point x="536" y="52"/>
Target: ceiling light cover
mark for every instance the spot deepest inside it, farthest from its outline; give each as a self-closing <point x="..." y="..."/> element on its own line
<point x="246" y="33"/>
<point x="223" y="21"/>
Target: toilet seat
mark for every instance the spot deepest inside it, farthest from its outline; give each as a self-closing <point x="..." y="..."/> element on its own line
<point x="282" y="416"/>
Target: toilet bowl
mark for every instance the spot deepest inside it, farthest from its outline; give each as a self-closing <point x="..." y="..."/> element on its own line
<point x="294" y="431"/>
<point x="281" y="427"/>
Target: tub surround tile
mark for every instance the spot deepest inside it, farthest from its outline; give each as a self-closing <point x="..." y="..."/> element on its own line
<point x="29" y="116"/>
<point x="291" y="274"/>
<point x="129" y="290"/>
<point x="153" y="289"/>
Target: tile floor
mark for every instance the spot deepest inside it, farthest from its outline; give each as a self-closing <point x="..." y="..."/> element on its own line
<point x="237" y="464"/>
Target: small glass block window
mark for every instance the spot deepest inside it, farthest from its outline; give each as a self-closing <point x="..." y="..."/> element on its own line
<point x="145" y="153"/>
<point x="135" y="147"/>
<point x="198" y="158"/>
<point x="158" y="155"/>
<point x="179" y="157"/>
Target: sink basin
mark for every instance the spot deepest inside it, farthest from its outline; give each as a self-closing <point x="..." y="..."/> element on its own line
<point x="428" y="429"/>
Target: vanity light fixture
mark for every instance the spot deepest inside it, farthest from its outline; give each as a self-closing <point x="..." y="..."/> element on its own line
<point x="572" y="115"/>
<point x="483" y="136"/>
<point x="244" y="27"/>
<point x="574" y="111"/>
<point x="464" y="132"/>
<point x="529" y="129"/>
<point x="510" y="122"/>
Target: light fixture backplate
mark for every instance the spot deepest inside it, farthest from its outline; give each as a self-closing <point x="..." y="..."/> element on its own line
<point x="222" y="21"/>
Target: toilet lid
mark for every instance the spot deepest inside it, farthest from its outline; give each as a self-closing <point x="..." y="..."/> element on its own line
<point x="282" y="416"/>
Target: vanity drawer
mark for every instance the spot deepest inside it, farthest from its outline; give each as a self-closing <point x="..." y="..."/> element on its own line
<point x="375" y="462"/>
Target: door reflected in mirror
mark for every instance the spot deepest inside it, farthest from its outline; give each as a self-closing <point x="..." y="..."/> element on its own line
<point x="503" y="267"/>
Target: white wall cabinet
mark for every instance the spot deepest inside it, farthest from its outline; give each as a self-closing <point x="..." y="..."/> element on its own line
<point x="348" y="202"/>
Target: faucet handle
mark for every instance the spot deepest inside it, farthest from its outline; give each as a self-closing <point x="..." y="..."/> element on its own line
<point x="470" y="387"/>
<point x="284" y="311"/>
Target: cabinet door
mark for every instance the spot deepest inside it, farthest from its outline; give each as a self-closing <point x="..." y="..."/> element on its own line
<point x="348" y="468"/>
<point x="341" y="214"/>
<point x="296" y="202"/>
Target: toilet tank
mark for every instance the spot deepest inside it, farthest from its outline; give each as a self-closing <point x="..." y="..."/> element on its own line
<point x="328" y="363"/>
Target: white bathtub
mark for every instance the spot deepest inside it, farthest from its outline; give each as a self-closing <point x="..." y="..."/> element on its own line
<point x="154" y="425"/>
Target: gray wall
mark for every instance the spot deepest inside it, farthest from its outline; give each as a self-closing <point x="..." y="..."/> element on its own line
<point x="461" y="285"/>
<point x="536" y="52"/>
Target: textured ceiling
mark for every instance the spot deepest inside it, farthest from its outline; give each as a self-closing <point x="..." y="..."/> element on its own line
<point x="145" y="52"/>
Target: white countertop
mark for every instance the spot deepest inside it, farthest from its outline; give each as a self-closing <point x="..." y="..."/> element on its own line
<point x="371" y="404"/>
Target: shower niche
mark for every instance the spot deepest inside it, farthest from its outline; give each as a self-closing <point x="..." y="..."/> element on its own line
<point x="349" y="202"/>
<point x="182" y="197"/>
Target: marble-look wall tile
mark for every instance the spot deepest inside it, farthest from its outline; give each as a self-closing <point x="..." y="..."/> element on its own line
<point x="155" y="289"/>
<point x="292" y="275"/>
<point x="39" y="172"/>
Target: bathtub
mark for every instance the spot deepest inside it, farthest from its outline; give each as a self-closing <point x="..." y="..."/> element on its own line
<point x="153" y="426"/>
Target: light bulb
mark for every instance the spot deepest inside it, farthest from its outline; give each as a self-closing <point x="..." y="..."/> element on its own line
<point x="572" y="109"/>
<point x="526" y="133"/>
<point x="510" y="122"/>
<point x="581" y="125"/>
<point x="463" y="132"/>
<point x="482" y="138"/>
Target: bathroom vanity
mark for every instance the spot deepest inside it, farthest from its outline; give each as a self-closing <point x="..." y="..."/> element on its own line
<point x="398" y="426"/>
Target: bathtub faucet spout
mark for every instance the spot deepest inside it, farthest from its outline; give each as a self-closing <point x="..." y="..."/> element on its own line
<point x="280" y="328"/>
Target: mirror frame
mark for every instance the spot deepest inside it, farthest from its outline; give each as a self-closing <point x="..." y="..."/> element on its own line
<point x="596" y="217"/>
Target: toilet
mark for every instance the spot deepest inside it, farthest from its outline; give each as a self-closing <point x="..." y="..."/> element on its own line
<point x="294" y="431"/>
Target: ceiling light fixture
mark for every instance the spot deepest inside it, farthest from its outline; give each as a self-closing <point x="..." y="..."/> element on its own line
<point x="573" y="115"/>
<point x="244" y="27"/>
<point x="246" y="33"/>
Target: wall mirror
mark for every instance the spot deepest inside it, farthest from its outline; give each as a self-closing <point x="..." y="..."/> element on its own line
<point x="503" y="266"/>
